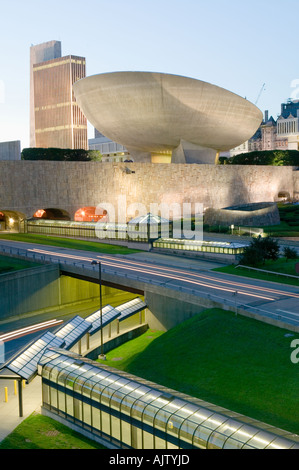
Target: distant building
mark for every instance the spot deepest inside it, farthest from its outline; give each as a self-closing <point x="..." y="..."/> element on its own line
<point x="10" y="150"/>
<point x="40" y="53"/>
<point x="58" y="120"/>
<point x="288" y="124"/>
<point x="111" y="151"/>
<point x="265" y="138"/>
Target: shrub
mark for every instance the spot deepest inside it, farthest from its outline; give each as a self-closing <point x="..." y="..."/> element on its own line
<point x="289" y="253"/>
<point x="259" y="251"/>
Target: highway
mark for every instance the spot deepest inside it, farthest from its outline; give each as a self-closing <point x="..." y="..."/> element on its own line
<point x="279" y="301"/>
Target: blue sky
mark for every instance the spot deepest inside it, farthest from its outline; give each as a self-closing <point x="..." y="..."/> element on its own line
<point x="233" y="44"/>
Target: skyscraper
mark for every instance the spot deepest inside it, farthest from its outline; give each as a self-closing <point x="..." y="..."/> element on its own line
<point x="58" y="120"/>
<point x="40" y="53"/>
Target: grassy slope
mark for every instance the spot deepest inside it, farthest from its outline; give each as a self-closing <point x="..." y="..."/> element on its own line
<point x="235" y="362"/>
<point x="279" y="266"/>
<point x="41" y="432"/>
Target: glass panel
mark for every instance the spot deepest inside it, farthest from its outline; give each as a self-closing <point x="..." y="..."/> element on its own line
<point x="46" y="371"/>
<point x="106" y="396"/>
<point x="201" y="437"/>
<point x="105" y="423"/>
<point x="171" y="446"/>
<point x="116" y="399"/>
<point x="96" y="418"/>
<point x="149" y="414"/>
<point x="96" y="393"/>
<point x="126" y="433"/>
<point x="127" y="404"/>
<point x="45" y="392"/>
<point x="136" y="434"/>
<point x="137" y="409"/>
<point x="148" y="440"/>
<point x="78" y="409"/>
<point x="61" y="401"/>
<point x="159" y="443"/>
<point x="115" y="427"/>
<point x="161" y="420"/>
<point x="86" y="414"/>
<point x="53" y="397"/>
<point x="69" y="405"/>
<point x="53" y="374"/>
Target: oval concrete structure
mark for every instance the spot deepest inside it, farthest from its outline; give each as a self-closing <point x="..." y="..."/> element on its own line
<point x="156" y="113"/>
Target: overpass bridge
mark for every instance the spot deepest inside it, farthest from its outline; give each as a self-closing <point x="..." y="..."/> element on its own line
<point x="174" y="288"/>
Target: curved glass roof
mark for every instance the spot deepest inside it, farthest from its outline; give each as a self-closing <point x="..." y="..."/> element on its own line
<point x="164" y="408"/>
<point x="149" y="219"/>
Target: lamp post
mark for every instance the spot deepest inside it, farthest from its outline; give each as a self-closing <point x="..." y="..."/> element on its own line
<point x="102" y="355"/>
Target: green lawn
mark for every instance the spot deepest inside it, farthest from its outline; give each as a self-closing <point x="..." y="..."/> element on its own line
<point x="41" y="432"/>
<point x="8" y="264"/>
<point x="68" y="243"/>
<point x="279" y="266"/>
<point x="232" y="361"/>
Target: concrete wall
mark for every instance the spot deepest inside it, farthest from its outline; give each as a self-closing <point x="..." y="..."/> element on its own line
<point x="26" y="186"/>
<point x="252" y="215"/>
<point x="41" y="288"/>
<point x="296" y="184"/>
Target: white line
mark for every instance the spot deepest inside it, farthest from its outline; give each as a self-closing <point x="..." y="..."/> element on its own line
<point x="290" y="313"/>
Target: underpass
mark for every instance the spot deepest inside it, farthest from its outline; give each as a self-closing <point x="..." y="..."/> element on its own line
<point x="187" y="283"/>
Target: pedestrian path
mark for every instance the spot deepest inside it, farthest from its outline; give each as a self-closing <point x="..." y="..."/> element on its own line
<point x="9" y="411"/>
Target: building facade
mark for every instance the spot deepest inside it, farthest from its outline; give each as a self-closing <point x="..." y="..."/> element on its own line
<point x="288" y="124"/>
<point x="10" y="150"/>
<point x="111" y="151"/>
<point x="40" y="53"/>
<point x="282" y="134"/>
<point x="58" y="121"/>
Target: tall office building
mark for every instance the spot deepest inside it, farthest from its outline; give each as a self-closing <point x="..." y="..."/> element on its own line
<point x="58" y="120"/>
<point x="40" y="53"/>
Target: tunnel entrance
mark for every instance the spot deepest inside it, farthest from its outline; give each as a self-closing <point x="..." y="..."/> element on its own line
<point x="11" y="221"/>
<point x="52" y="214"/>
<point x="89" y="214"/>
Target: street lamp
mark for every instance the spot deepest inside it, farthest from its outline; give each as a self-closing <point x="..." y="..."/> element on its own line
<point x="102" y="355"/>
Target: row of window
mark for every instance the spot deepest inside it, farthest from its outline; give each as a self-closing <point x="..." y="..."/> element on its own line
<point x="92" y="230"/>
<point x="288" y="127"/>
<point x="200" y="247"/>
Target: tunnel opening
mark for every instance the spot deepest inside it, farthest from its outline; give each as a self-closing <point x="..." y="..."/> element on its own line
<point x="11" y="221"/>
<point x="52" y="214"/>
<point x="90" y="214"/>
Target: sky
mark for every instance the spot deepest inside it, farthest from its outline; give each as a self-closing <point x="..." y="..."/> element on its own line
<point x="236" y="45"/>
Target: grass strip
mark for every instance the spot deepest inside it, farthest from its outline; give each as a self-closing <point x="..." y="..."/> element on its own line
<point x="41" y="432"/>
<point x="278" y="267"/>
<point x="236" y="362"/>
<point x="69" y="243"/>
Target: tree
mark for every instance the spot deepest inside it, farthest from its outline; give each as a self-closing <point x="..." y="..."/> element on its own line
<point x="58" y="154"/>
<point x="266" y="157"/>
<point x="289" y="253"/>
<point x="259" y="250"/>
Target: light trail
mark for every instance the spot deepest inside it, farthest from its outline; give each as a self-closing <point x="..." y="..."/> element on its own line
<point x="163" y="274"/>
<point x="29" y="329"/>
<point x="210" y="278"/>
